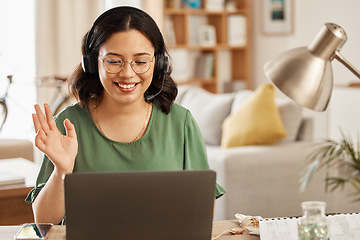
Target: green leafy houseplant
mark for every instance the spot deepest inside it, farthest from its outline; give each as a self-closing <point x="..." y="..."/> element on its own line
<point x="341" y="157"/>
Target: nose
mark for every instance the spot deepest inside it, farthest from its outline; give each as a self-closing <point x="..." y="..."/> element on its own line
<point x="126" y="70"/>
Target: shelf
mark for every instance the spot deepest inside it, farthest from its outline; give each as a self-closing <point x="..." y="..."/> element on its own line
<point x="174" y="11"/>
<point x="206" y="48"/>
<point x="198" y="81"/>
<point x="186" y="29"/>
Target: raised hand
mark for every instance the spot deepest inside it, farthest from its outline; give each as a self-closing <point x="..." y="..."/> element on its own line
<point x="61" y="149"/>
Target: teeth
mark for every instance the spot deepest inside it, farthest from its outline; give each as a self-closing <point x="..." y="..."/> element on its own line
<point x="126" y="85"/>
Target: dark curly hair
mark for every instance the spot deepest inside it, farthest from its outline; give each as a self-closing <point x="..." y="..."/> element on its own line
<point x="87" y="87"/>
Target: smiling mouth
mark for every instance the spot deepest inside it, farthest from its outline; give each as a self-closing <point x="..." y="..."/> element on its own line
<point x="126" y="86"/>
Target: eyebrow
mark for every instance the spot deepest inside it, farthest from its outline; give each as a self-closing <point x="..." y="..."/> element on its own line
<point x="136" y="54"/>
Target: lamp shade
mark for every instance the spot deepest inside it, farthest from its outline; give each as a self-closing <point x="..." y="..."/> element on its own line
<point x="305" y="74"/>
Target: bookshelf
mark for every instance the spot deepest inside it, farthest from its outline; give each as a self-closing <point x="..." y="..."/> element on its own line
<point x="220" y="33"/>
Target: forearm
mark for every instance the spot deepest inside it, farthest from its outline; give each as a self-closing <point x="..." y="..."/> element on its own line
<point x="49" y="205"/>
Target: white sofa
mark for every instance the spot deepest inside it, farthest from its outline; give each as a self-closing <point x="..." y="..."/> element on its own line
<point x="260" y="179"/>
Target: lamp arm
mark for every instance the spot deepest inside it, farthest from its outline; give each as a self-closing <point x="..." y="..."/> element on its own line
<point x="347" y="64"/>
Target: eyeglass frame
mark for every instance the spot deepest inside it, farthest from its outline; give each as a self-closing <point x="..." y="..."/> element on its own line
<point x="123" y="63"/>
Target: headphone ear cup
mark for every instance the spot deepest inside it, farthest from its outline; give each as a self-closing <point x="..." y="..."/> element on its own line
<point x="89" y="64"/>
<point x="165" y="64"/>
<point x="162" y="64"/>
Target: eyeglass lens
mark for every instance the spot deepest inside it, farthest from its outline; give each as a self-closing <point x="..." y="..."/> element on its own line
<point x="138" y="65"/>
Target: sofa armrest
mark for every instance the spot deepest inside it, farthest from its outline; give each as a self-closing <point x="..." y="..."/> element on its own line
<point x="15" y="148"/>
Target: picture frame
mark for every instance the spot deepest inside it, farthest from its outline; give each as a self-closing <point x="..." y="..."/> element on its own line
<point x="277" y="16"/>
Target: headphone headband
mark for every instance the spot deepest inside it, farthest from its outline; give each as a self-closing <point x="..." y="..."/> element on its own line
<point x="90" y="63"/>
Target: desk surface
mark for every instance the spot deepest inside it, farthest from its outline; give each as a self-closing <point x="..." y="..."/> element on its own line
<point x="58" y="232"/>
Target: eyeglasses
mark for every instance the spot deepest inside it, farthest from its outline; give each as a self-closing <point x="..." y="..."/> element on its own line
<point x="138" y="65"/>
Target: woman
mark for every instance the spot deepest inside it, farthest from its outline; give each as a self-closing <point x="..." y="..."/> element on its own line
<point x="125" y="119"/>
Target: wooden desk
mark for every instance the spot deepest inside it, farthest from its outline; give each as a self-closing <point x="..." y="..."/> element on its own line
<point x="58" y="232"/>
<point x="13" y="209"/>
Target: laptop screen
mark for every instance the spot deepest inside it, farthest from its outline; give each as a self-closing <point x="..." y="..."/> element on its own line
<point x="140" y="205"/>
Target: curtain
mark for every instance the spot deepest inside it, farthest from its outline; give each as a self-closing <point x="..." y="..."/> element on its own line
<point x="60" y="27"/>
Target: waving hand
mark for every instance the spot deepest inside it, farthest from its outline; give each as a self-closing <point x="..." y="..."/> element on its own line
<point x="61" y="149"/>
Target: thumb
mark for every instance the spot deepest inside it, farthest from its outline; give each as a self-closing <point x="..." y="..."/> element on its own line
<point x="69" y="128"/>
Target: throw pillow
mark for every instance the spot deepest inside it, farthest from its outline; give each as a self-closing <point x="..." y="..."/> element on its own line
<point x="256" y="122"/>
<point x="290" y="112"/>
<point x="209" y="111"/>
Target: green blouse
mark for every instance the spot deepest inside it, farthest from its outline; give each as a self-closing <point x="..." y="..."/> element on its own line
<point x="171" y="142"/>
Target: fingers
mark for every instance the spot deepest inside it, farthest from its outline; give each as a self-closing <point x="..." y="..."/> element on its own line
<point x="46" y="123"/>
<point x="39" y="142"/>
<point x="49" y="117"/>
<point x="70" y="129"/>
<point x="41" y="118"/>
<point x="36" y="122"/>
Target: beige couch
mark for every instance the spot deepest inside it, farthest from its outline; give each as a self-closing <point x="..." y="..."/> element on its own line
<point x="260" y="179"/>
<point x="15" y="148"/>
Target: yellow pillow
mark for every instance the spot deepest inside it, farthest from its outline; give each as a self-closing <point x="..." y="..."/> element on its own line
<point x="256" y="122"/>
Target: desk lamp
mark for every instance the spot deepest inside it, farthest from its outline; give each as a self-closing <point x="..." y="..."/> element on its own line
<point x="305" y="74"/>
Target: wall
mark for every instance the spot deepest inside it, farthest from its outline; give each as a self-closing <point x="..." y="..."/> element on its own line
<point x="309" y="17"/>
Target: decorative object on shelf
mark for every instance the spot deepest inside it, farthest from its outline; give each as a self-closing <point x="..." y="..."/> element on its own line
<point x="230" y="5"/>
<point x="277" y="16"/>
<point x="305" y="74"/>
<point x="207" y="36"/>
<point x="194" y="3"/>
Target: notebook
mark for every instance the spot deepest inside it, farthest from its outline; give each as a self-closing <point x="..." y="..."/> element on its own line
<point x="140" y="205"/>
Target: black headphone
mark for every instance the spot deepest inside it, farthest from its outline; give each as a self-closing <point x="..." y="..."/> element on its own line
<point x="89" y="62"/>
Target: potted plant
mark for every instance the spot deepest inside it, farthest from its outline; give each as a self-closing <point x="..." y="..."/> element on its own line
<point x="342" y="162"/>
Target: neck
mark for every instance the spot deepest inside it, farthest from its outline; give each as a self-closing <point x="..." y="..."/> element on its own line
<point x="134" y="118"/>
<point x="116" y="109"/>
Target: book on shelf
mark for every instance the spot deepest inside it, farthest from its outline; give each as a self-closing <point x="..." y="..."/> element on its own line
<point x="237" y="30"/>
<point x="215" y="5"/>
<point x="205" y="66"/>
<point x="195" y="22"/>
<point x="180" y="61"/>
<point x="174" y="3"/>
<point x="170" y="37"/>
<point x="9" y="178"/>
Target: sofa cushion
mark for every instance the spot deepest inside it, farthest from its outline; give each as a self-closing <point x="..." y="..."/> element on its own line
<point x="209" y="111"/>
<point x="182" y="89"/>
<point x="291" y="116"/>
<point x="256" y="122"/>
<point x="290" y="112"/>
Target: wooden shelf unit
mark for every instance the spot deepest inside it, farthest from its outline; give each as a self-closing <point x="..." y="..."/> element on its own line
<point x="237" y="64"/>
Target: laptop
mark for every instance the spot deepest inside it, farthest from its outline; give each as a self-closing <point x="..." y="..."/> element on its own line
<point x="161" y="205"/>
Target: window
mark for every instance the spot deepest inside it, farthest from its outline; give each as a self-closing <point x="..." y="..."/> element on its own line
<point x="17" y="58"/>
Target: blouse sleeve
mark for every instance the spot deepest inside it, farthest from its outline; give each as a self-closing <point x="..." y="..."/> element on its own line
<point x="194" y="150"/>
<point x="46" y="169"/>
